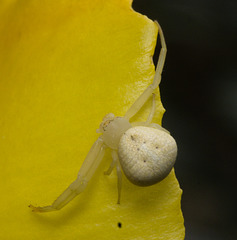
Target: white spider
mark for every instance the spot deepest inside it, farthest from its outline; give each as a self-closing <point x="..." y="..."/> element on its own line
<point x="145" y="151"/>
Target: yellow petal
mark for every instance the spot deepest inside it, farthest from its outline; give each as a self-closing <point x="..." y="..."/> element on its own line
<point x="63" y="66"/>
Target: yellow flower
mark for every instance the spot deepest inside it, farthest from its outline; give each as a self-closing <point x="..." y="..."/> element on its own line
<point x="63" y="66"/>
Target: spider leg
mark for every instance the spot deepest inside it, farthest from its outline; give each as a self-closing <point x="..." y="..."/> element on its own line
<point x="119" y="173"/>
<point x="141" y="100"/>
<point x="161" y="60"/>
<point x="153" y="109"/>
<point x="148" y="122"/>
<point x="157" y="126"/>
<point x="86" y="172"/>
<point x="112" y="165"/>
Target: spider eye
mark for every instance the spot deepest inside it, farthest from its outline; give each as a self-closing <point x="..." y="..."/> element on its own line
<point x="105" y="122"/>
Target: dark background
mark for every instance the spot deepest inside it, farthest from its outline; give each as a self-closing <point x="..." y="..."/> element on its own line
<point x="199" y="91"/>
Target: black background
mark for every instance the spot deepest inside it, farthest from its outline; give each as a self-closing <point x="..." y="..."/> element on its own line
<point x="199" y="91"/>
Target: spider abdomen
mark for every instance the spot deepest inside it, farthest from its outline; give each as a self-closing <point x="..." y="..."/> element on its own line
<point x="146" y="155"/>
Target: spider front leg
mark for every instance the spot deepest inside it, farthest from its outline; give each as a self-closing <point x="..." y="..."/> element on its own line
<point x="141" y="100"/>
<point x="88" y="168"/>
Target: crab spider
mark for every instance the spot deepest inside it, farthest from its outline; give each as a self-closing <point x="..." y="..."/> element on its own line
<point x="145" y="151"/>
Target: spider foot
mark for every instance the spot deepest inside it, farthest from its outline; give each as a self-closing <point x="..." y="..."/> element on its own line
<point x="35" y="209"/>
<point x="42" y="209"/>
